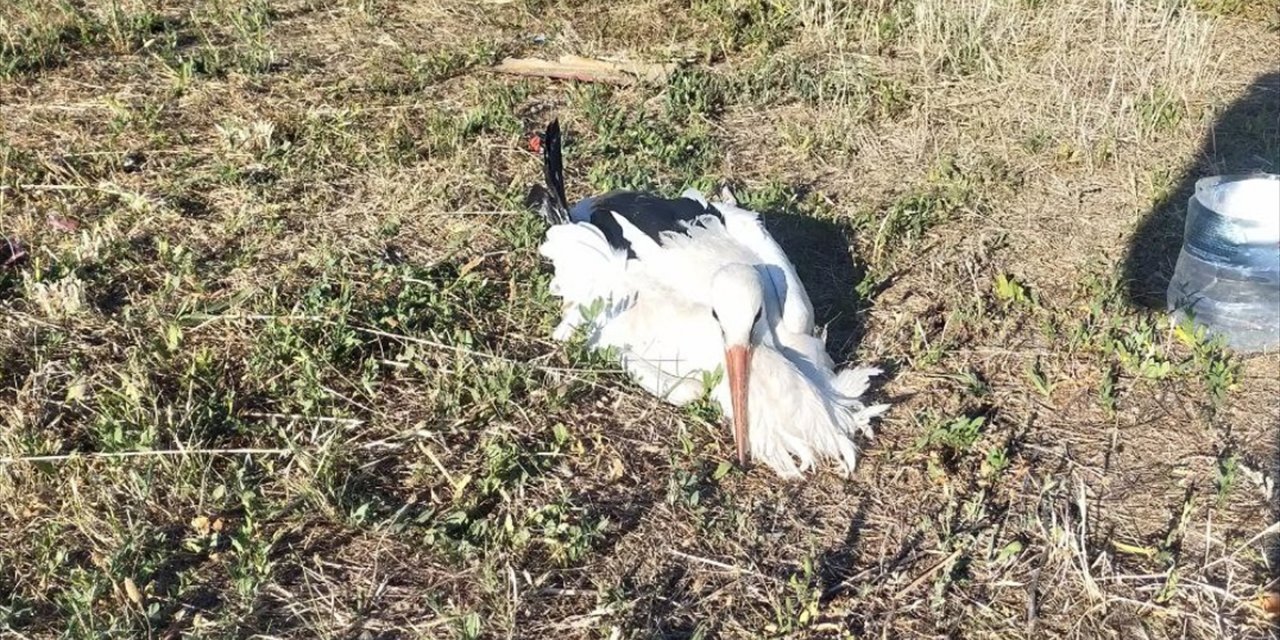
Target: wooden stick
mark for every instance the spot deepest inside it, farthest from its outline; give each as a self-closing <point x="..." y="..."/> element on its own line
<point x="570" y="67"/>
<point x="718" y="565"/>
<point x="928" y="573"/>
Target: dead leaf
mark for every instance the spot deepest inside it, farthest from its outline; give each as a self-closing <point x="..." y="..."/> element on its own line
<point x="200" y="525"/>
<point x="76" y="391"/>
<point x="70" y="225"/>
<point x="131" y="590"/>
<point x="470" y="265"/>
<point x="1271" y="604"/>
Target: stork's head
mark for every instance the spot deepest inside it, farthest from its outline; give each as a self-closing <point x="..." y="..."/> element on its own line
<point x="737" y="302"/>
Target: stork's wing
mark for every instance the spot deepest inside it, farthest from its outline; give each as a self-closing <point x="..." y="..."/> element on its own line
<point x="746" y="227"/>
<point x="589" y="274"/>
<point x="645" y="214"/>
<point x="664" y="341"/>
<point x="667" y="343"/>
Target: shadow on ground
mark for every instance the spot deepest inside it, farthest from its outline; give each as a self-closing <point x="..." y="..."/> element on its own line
<point x="820" y="251"/>
<point x="1245" y="138"/>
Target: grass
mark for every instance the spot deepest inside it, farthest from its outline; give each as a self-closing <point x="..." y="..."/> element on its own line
<point x="277" y="360"/>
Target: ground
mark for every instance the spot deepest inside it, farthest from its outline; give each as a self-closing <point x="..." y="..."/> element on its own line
<point x="276" y="361"/>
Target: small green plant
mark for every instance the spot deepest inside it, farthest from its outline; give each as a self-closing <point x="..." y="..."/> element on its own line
<point x="251" y="546"/>
<point x="996" y="461"/>
<point x="1159" y="111"/>
<point x="633" y="149"/>
<point x="1139" y="351"/>
<point x="1039" y="380"/>
<point x="801" y="604"/>
<point x="127" y="31"/>
<point x="1209" y="358"/>
<point x="1170" y="548"/>
<point x="1009" y="551"/>
<point x="470" y="626"/>
<point x="909" y="217"/>
<point x="1012" y="292"/>
<point x="948" y="191"/>
<point x="692" y="92"/>
<point x="1225" y="478"/>
<point x="747" y="24"/>
<point x="957" y="435"/>
<point x="972" y="382"/>
<point x="1107" y="391"/>
<point x="567" y="531"/>
<point x="1225" y="7"/>
<point x="44" y="36"/>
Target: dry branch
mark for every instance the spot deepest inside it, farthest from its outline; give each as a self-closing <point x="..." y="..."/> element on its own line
<point x="570" y="67"/>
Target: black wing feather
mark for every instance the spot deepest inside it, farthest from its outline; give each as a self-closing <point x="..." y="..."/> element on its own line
<point x="651" y="214"/>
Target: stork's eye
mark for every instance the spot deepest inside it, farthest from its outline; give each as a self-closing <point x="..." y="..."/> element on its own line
<point x="715" y="315"/>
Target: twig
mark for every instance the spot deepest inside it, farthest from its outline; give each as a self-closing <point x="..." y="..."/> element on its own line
<point x="571" y="67"/>
<point x="1091" y="586"/>
<point x="1214" y="590"/>
<point x="1033" y="589"/>
<point x="1145" y="576"/>
<point x="443" y="471"/>
<point x="476" y="212"/>
<point x="1062" y="456"/>
<point x="139" y="454"/>
<point x="928" y="573"/>
<point x="1274" y="528"/>
<point x="571" y="593"/>
<point x="716" y="564"/>
<point x="44" y="187"/>
<point x="107" y="189"/>
<point x="352" y="422"/>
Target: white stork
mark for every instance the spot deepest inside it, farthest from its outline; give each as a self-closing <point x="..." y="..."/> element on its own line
<point x="682" y="287"/>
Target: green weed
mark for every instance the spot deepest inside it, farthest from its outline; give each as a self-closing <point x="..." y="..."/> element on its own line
<point x="751" y="24"/>
<point x="957" y="435"/>
<point x="1159" y="111"/>
<point x="630" y="150"/>
<point x="1039" y="380"/>
<point x="1226" y="476"/>
<point x="43" y="36"/>
<point x="800" y="606"/>
<point x="1012" y="292"/>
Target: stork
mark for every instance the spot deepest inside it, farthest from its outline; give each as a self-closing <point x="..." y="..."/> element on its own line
<point x="684" y="287"/>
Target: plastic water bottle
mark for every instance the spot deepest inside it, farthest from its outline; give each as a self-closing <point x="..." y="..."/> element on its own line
<point x="1228" y="273"/>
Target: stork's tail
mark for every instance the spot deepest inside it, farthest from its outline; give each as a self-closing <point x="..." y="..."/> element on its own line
<point x="849" y="386"/>
<point x="852" y="383"/>
<point x="554" y="205"/>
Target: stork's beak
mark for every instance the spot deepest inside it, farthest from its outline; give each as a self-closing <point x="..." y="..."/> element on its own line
<point x="737" y="360"/>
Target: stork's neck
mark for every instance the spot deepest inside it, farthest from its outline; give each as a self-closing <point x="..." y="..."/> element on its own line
<point x="764" y="331"/>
